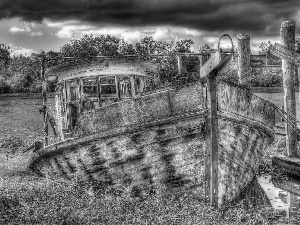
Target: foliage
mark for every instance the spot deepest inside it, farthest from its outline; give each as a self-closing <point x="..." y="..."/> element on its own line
<point x="265" y="47"/>
<point x="108" y="45"/>
<point x="22" y="74"/>
<point x="4" y="54"/>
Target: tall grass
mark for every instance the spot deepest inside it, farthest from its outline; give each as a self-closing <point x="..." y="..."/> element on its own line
<point x="32" y="200"/>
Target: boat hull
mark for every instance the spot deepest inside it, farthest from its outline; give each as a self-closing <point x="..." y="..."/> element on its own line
<point x="164" y="144"/>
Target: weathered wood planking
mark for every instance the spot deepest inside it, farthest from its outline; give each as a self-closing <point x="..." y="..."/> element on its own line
<point x="211" y="173"/>
<point x="216" y="62"/>
<point x="146" y="109"/>
<point x="286" y="54"/>
<point x="242" y="102"/>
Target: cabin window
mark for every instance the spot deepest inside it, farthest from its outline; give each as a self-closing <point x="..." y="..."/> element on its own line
<point x="125" y="88"/>
<point x="108" y="86"/>
<point x="138" y="85"/>
<point x="90" y="86"/>
<point x="73" y="92"/>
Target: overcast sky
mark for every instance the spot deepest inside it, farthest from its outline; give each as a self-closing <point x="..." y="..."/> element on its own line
<point x="31" y="25"/>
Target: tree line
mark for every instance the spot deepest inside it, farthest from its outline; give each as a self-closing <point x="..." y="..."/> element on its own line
<point x="23" y="73"/>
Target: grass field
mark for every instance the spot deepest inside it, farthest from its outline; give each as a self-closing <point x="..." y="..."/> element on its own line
<point x="30" y="200"/>
<point x="27" y="199"/>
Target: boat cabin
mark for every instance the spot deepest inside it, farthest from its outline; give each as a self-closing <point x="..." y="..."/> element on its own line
<point x="91" y="85"/>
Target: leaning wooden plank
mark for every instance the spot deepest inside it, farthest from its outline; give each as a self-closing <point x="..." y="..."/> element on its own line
<point x="215" y="63"/>
<point x="286" y="54"/>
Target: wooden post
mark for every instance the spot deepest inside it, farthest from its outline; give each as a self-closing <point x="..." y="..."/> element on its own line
<point x="287" y="35"/>
<point x="132" y="86"/>
<point x="68" y="106"/>
<point x="244" y="59"/>
<point x="298" y="73"/>
<point x="80" y="95"/>
<point x="211" y="174"/>
<point x="179" y="61"/>
<point x="202" y="85"/>
<point x="142" y="84"/>
<point x="44" y="98"/>
<point x="201" y="59"/>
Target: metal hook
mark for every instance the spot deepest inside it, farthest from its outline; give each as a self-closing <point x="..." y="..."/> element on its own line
<point x="225" y="35"/>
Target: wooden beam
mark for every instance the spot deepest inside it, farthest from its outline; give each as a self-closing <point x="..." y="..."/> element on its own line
<point x="243" y="48"/>
<point x="285" y="53"/>
<point x="68" y="106"/>
<point x="211" y="170"/>
<point x="287" y="34"/>
<point x="216" y="62"/>
<point x="142" y="84"/>
<point x="80" y="95"/>
<point x="132" y="86"/>
<point x="179" y="63"/>
<point x="44" y="98"/>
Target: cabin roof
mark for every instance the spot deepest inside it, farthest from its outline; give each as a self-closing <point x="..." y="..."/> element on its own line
<point x="98" y="67"/>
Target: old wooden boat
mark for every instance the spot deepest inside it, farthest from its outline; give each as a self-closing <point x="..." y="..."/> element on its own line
<point x="115" y="133"/>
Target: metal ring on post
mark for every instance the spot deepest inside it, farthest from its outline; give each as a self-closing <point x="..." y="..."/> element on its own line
<point x="225" y="35"/>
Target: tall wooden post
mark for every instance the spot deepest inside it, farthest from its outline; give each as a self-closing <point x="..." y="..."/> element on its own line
<point x="132" y="86"/>
<point x="211" y="171"/>
<point x="202" y="85"/>
<point x="44" y="97"/>
<point x="201" y="58"/>
<point x="287" y="35"/>
<point x="179" y="61"/>
<point x="244" y="59"/>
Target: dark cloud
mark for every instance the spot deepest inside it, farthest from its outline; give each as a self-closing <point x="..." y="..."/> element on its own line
<point x="210" y="15"/>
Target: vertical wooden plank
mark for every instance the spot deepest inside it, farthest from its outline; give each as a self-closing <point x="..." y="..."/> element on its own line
<point x="287" y="35"/>
<point x="117" y="86"/>
<point x="142" y="84"/>
<point x="201" y="59"/>
<point x="208" y="142"/>
<point x="98" y="91"/>
<point x="68" y="107"/>
<point x="179" y="62"/>
<point x="202" y="84"/>
<point x="211" y="174"/>
<point x="293" y="204"/>
<point x="244" y="59"/>
<point x="64" y="96"/>
<point x="207" y="178"/>
<point x="44" y="96"/>
<point x="80" y="95"/>
<point x="132" y="86"/>
<point x="58" y="113"/>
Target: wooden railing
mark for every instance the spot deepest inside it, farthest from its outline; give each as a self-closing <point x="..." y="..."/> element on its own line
<point x="144" y="110"/>
<point x="235" y="101"/>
